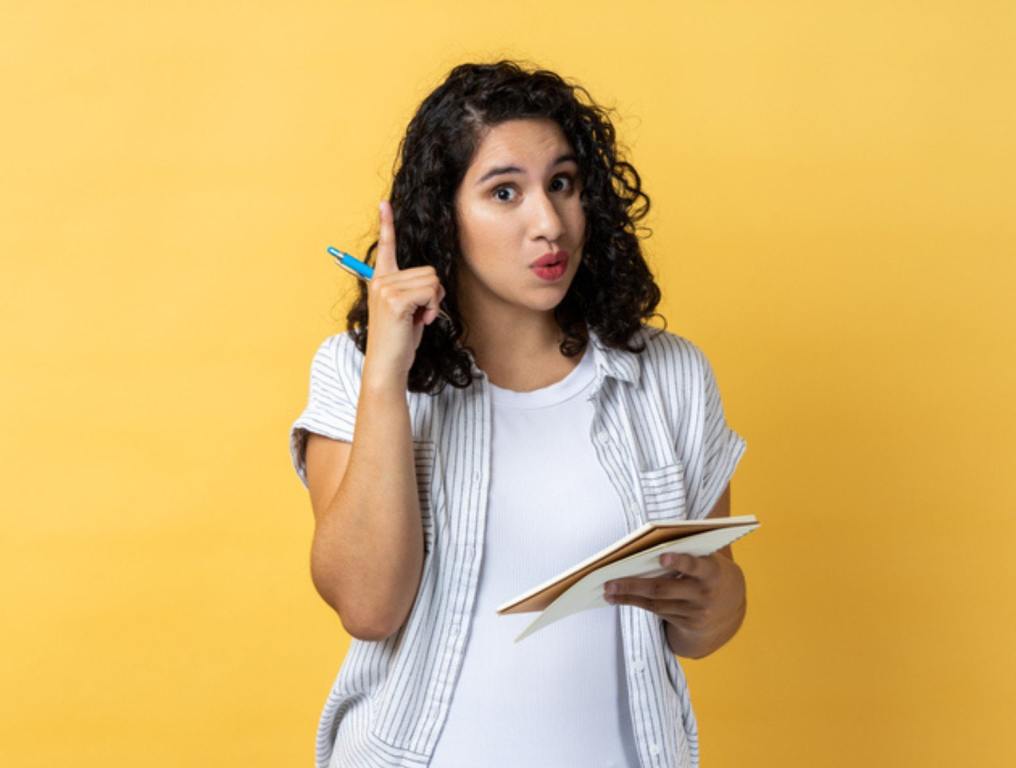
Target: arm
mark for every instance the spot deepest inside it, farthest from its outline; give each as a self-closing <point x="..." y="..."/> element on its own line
<point x="367" y="551"/>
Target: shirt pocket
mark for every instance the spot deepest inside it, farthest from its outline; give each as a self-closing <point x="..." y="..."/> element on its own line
<point x="664" y="494"/>
<point x="428" y="479"/>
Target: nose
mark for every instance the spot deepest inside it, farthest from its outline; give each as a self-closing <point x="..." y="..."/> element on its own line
<point x="546" y="220"/>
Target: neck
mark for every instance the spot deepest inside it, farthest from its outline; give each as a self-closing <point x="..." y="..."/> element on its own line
<point x="511" y="343"/>
<point x="514" y="340"/>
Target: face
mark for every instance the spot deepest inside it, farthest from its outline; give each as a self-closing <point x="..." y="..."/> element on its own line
<point x="518" y="201"/>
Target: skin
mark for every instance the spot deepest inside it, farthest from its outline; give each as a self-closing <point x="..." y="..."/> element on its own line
<point x="505" y="223"/>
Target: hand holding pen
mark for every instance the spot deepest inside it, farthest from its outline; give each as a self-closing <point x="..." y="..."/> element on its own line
<point x="363" y="271"/>
<point x="400" y="302"/>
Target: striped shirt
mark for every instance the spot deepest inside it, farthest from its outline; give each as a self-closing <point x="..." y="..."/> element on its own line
<point x="660" y="435"/>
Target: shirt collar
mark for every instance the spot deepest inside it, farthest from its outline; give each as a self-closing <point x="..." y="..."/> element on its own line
<point x="618" y="363"/>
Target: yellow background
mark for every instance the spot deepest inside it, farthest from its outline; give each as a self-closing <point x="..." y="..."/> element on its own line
<point x="833" y="197"/>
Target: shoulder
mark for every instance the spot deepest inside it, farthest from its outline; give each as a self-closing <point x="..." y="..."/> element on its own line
<point x="340" y="352"/>
<point x="675" y="373"/>
<point x="341" y="342"/>
<point x="670" y="353"/>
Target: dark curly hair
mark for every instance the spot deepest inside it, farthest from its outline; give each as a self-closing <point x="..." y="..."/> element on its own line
<point x="613" y="291"/>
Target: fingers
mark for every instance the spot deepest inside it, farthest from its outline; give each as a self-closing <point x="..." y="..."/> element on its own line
<point x="687" y="565"/>
<point x="405" y="295"/>
<point x="386" y="262"/>
<point x="430" y="311"/>
<point x="434" y="306"/>
<point x="662" y="588"/>
<point x="415" y="292"/>
<point x="677" y="609"/>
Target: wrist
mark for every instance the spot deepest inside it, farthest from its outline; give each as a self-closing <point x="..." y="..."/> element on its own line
<point x="378" y="382"/>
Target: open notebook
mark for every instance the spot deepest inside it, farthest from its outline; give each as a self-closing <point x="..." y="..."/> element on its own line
<point x="635" y="555"/>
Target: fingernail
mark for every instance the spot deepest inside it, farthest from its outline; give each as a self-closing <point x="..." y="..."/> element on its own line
<point x="611" y="589"/>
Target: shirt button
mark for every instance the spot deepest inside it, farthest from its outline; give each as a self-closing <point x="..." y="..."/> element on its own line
<point x="638" y="666"/>
<point x="476" y="477"/>
<point x="603" y="437"/>
<point x="654" y="749"/>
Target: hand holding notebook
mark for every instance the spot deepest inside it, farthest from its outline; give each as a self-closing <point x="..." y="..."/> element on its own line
<point x="635" y="555"/>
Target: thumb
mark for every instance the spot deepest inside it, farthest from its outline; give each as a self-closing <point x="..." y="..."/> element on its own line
<point x="385" y="261"/>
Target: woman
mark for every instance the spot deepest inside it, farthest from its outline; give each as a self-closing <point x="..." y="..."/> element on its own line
<point x="539" y="421"/>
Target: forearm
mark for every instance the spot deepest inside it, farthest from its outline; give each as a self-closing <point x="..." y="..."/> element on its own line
<point x="367" y="553"/>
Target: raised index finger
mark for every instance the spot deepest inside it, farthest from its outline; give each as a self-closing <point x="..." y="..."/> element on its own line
<point x="385" y="261"/>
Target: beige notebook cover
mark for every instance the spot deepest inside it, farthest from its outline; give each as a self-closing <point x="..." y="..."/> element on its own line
<point x="635" y="555"/>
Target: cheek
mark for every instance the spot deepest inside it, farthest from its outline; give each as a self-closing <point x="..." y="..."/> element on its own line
<point x="495" y="245"/>
<point x="489" y="254"/>
<point x="483" y="229"/>
<point x="577" y="223"/>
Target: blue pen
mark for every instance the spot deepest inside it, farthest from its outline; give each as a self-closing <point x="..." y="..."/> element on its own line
<point x="363" y="271"/>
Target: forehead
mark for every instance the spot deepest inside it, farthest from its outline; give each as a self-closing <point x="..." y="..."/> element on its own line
<point x="520" y="141"/>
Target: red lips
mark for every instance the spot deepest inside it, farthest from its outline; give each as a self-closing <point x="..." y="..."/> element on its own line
<point x="550" y="258"/>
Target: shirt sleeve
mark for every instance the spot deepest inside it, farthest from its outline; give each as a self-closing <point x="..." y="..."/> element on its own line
<point x="722" y="447"/>
<point x="331" y="404"/>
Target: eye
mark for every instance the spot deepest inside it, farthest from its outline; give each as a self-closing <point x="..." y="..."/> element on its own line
<point x="502" y="188"/>
<point x="567" y="177"/>
<point x="506" y="187"/>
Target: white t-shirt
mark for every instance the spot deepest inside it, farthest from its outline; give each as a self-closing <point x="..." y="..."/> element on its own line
<point x="559" y="697"/>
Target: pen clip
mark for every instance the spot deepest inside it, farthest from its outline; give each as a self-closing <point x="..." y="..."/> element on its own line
<point x="348" y="268"/>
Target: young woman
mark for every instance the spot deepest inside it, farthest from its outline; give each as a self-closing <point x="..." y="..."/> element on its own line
<point x="454" y="462"/>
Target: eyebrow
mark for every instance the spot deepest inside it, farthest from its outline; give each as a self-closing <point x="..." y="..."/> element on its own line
<point x="515" y="169"/>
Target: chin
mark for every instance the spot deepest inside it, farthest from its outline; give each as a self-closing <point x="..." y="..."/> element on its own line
<point x="553" y="297"/>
